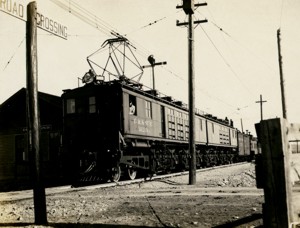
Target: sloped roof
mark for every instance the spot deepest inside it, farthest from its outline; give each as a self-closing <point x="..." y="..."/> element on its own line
<point x="13" y="110"/>
<point x="52" y="99"/>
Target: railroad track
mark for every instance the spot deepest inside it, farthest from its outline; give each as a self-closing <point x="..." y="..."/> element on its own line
<point x="27" y="194"/>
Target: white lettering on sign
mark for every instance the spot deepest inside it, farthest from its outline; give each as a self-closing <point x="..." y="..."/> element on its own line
<point x="51" y="26"/>
<point x="143" y="125"/>
<point x="12" y="7"/>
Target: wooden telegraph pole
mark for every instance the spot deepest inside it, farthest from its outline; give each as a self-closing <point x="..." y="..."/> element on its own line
<point x="188" y="7"/>
<point x="284" y="113"/>
<point x="275" y="162"/>
<point x="261" y="107"/>
<point x="33" y="118"/>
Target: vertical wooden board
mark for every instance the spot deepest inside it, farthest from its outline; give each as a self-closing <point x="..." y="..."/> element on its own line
<point x="275" y="165"/>
<point x="287" y="168"/>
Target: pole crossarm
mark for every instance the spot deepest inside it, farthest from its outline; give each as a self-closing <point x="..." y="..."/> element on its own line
<point x="261" y="106"/>
<point x="197" y="5"/>
<point x="188" y="6"/>
<point x="155" y="64"/>
<point x="186" y="23"/>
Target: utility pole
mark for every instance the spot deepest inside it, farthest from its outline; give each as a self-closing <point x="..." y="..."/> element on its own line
<point x="33" y="119"/>
<point x="261" y="106"/>
<point x="152" y="62"/>
<point x="284" y="112"/>
<point x="188" y="7"/>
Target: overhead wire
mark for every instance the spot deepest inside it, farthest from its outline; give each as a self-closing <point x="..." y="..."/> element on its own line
<point x="225" y="61"/>
<point x="227" y="64"/>
<point x="8" y="62"/>
<point x="223" y="57"/>
<point x="85" y="16"/>
<point x="181" y="78"/>
<point x="94" y="21"/>
<point x="257" y="57"/>
<point x="261" y="60"/>
<point x="145" y="26"/>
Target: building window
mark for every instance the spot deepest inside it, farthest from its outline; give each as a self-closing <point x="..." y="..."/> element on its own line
<point x="92" y="105"/>
<point x="70" y="106"/>
<point x="148" y="109"/>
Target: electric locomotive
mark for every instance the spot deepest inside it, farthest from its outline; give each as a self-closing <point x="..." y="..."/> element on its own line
<point x="115" y="128"/>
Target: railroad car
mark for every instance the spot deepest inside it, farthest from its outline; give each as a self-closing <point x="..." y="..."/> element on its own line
<point x="255" y="148"/>
<point x="115" y="128"/>
<point x="244" y="143"/>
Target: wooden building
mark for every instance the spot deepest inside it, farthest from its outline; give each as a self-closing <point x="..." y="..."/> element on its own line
<point x="14" y="157"/>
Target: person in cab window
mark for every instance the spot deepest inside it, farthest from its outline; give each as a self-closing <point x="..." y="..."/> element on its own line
<point x="131" y="108"/>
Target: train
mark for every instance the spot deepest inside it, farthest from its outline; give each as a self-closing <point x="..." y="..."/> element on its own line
<point x="116" y="129"/>
<point x="112" y="128"/>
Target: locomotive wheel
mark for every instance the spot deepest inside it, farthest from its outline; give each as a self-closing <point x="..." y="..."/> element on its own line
<point x="131" y="173"/>
<point x="115" y="174"/>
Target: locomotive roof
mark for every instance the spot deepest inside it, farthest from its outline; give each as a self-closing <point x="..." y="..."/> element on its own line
<point x="133" y="86"/>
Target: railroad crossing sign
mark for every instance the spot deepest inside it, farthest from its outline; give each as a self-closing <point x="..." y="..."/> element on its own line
<point x="18" y="10"/>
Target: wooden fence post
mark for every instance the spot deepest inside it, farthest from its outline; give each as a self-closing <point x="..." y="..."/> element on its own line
<point x="277" y="209"/>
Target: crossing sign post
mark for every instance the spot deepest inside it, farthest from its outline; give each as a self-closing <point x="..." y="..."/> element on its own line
<point x="33" y="118"/>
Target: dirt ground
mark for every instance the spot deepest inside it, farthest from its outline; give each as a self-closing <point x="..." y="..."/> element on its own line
<point x="225" y="197"/>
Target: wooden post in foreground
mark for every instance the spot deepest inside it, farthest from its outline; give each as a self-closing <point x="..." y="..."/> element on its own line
<point x="33" y="118"/>
<point x="277" y="209"/>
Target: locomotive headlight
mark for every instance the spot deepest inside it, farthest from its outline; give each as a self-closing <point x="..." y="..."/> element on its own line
<point x="89" y="77"/>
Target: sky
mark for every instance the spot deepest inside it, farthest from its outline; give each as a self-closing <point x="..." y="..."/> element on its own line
<point x="236" y="52"/>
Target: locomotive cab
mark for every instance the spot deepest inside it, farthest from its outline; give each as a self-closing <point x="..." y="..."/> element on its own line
<point x="92" y="117"/>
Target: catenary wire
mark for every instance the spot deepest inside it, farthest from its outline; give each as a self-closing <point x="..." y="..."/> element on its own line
<point x="14" y="54"/>
<point x="105" y="28"/>
<point x="225" y="61"/>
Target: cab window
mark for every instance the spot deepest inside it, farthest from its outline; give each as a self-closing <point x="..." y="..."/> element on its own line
<point x="92" y="104"/>
<point x="70" y="106"/>
<point x="132" y="105"/>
